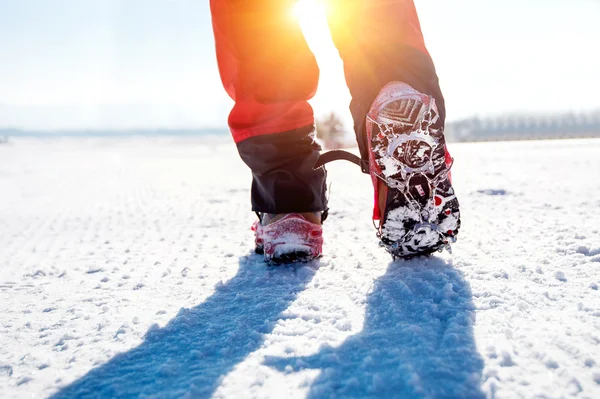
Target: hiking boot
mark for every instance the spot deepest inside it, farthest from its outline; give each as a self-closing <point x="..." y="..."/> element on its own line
<point x="415" y="203"/>
<point x="288" y="238"/>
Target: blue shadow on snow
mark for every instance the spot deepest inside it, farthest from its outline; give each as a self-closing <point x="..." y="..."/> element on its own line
<point x="191" y="353"/>
<point x="417" y="340"/>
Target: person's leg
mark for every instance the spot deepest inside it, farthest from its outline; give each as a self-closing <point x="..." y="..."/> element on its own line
<point x="380" y="41"/>
<point x="399" y="117"/>
<point x="269" y="71"/>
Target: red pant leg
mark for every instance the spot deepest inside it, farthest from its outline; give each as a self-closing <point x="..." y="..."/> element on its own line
<point x="269" y="71"/>
<point x="381" y="41"/>
<point x="265" y="66"/>
<point x="371" y="26"/>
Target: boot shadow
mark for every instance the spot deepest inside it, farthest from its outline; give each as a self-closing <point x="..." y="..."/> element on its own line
<point x="417" y="340"/>
<point x="193" y="351"/>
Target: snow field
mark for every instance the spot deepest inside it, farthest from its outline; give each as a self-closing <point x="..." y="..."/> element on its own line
<point x="126" y="269"/>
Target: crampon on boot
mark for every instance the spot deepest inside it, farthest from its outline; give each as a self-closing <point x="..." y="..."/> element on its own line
<point x="408" y="154"/>
<point x="292" y="238"/>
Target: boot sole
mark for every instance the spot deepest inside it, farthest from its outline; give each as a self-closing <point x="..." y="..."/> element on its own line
<point x="422" y="213"/>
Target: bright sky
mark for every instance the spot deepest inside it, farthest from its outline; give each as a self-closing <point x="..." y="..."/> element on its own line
<point x="150" y="63"/>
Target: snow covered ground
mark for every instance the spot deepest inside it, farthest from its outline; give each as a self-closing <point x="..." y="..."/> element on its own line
<point x="126" y="269"/>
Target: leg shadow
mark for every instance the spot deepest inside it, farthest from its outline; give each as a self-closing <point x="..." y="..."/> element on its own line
<point x="417" y="340"/>
<point x="191" y="353"/>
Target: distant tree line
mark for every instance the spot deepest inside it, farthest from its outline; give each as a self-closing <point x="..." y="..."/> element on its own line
<point x="332" y="132"/>
<point x="526" y="127"/>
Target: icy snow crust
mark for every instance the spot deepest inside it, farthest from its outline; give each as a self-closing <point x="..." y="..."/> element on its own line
<point x="126" y="270"/>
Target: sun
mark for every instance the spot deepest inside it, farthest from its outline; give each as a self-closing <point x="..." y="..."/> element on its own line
<point x="304" y="10"/>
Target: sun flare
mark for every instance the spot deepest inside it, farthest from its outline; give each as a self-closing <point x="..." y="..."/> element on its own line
<point x="332" y="94"/>
<point x="304" y="10"/>
<point x="311" y="15"/>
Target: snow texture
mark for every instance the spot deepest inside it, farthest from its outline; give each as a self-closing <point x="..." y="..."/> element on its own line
<point x="126" y="270"/>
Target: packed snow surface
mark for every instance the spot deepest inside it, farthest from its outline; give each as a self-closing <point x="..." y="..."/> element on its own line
<point x="127" y="270"/>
